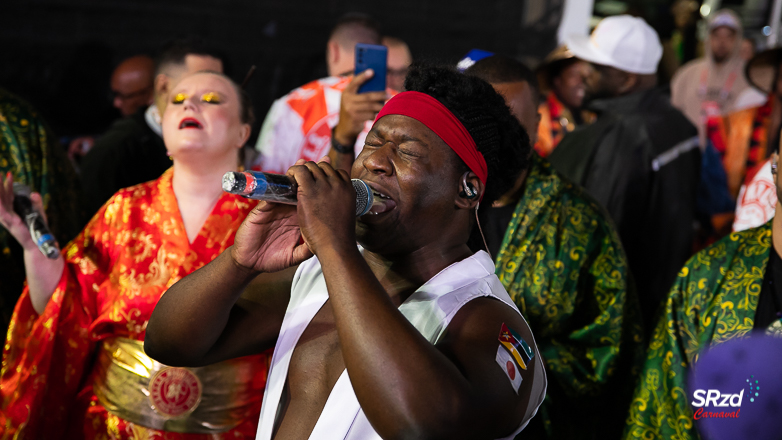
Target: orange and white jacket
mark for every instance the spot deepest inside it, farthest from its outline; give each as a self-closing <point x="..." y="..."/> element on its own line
<point x="298" y="125"/>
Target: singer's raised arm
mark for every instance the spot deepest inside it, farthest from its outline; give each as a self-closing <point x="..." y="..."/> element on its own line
<point x="218" y="312"/>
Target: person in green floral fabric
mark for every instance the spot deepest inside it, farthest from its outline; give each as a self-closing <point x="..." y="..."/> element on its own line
<point x="29" y="151"/>
<point x="560" y="258"/>
<point x="723" y="292"/>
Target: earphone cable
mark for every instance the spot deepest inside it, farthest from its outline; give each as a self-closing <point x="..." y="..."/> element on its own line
<point x="481" y="229"/>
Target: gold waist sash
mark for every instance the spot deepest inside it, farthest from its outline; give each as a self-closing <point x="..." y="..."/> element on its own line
<point x="203" y="400"/>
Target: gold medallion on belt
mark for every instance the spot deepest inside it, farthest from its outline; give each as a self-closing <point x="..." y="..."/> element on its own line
<point x="174" y="391"/>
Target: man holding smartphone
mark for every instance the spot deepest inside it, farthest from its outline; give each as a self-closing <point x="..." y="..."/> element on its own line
<point x="357" y="108"/>
<point x="299" y="125"/>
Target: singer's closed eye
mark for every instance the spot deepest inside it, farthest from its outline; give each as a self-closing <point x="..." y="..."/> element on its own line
<point x="408" y="152"/>
<point x="373" y="140"/>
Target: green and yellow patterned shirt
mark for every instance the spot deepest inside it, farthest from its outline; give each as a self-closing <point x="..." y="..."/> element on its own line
<point x="713" y="300"/>
<point x="563" y="264"/>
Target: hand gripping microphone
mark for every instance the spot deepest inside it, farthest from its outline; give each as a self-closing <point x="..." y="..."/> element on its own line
<point x="282" y="189"/>
<point x="39" y="230"/>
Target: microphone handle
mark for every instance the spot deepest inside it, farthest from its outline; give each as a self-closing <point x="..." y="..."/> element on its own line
<point x="279" y="188"/>
<point x="39" y="230"/>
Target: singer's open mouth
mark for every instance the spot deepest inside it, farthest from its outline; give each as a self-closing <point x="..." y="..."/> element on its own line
<point x="190" y="123"/>
<point x="382" y="202"/>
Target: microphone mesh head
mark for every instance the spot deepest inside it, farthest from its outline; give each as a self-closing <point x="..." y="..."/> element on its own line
<point x="363" y="197"/>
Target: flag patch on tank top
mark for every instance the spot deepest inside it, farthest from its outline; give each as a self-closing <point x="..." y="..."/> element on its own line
<point x="511" y="369"/>
<point x="516" y="346"/>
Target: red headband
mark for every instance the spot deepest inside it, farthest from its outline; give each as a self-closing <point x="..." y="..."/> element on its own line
<point x="442" y="122"/>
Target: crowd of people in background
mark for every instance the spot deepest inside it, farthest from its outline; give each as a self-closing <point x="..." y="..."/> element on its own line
<point x="634" y="230"/>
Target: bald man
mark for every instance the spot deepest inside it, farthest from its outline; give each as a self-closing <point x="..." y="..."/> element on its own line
<point x="299" y="125"/>
<point x="131" y="84"/>
<point x="399" y="61"/>
<point x="131" y="89"/>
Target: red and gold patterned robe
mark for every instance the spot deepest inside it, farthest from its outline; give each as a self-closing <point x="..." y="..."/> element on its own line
<point x="116" y="271"/>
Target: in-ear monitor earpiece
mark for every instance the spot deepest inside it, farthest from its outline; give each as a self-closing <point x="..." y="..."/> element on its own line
<point x="468" y="190"/>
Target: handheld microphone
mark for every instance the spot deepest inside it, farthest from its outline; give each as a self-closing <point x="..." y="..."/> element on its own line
<point x="39" y="230"/>
<point x="282" y="189"/>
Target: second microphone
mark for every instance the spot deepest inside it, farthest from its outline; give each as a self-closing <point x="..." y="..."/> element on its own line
<point x="282" y="189"/>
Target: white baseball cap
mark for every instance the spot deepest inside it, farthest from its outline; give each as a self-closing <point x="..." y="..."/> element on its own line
<point x="624" y="42"/>
<point x="724" y="18"/>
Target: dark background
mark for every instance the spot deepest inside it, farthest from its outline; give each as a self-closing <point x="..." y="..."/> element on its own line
<point x="59" y="54"/>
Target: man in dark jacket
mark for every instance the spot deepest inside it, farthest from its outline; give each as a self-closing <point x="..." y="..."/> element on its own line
<point x="641" y="159"/>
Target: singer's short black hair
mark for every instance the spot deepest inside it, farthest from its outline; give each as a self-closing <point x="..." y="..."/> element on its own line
<point x="500" y="138"/>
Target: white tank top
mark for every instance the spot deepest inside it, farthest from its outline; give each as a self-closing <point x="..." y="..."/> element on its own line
<point x="429" y="309"/>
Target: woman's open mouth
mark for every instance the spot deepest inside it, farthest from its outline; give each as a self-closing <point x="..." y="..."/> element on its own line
<point x="190" y="123"/>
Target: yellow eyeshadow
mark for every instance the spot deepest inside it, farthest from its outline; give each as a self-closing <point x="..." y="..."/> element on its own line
<point x="179" y="98"/>
<point x="211" y="97"/>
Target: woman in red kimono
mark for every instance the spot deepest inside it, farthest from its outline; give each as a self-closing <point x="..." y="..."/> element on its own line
<point x="73" y="364"/>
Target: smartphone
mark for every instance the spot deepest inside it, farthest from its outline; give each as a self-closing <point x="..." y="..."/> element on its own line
<point x="372" y="56"/>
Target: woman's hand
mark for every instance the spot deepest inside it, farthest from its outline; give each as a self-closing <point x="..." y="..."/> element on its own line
<point x="42" y="273"/>
<point x="326" y="205"/>
<point x="10" y="220"/>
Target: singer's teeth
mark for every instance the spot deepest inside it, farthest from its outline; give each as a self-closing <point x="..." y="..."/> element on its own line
<point x="379" y="208"/>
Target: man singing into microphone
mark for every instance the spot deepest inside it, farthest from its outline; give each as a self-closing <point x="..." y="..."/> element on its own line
<point x="409" y="335"/>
